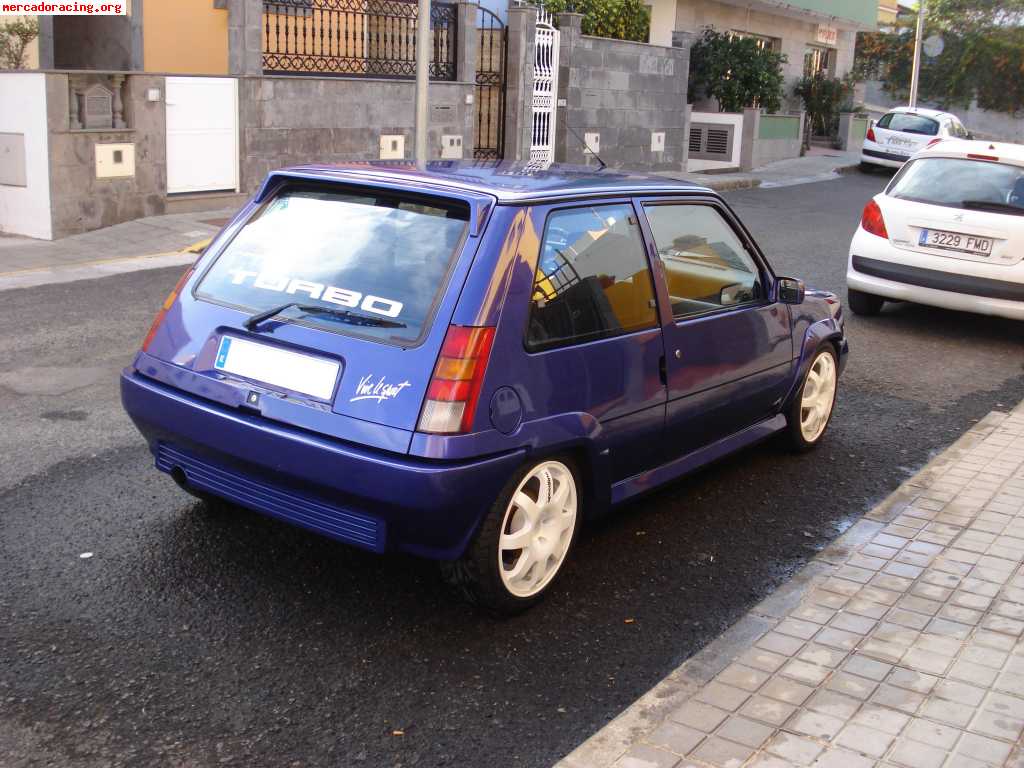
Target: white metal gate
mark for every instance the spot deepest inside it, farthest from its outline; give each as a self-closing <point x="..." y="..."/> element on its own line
<point x="202" y="134"/>
<point x="545" y="89"/>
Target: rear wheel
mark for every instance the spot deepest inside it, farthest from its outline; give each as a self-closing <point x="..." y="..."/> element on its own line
<point x="524" y="540"/>
<point x="863" y="303"/>
<point x="811" y="411"/>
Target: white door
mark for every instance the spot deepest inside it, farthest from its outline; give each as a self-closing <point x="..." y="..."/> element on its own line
<point x="202" y="134"/>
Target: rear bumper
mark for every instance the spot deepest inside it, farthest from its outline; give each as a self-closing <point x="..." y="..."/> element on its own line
<point x="939" y="289"/>
<point x="887" y="159"/>
<point x="364" y="497"/>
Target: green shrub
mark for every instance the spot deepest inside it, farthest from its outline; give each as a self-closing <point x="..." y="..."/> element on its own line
<point x="617" y="19"/>
<point x="736" y="71"/>
<point x="824" y="97"/>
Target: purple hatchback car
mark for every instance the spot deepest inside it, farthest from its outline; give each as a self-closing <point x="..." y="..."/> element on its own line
<point x="469" y="361"/>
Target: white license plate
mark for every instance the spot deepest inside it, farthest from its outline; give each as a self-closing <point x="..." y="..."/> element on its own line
<point x="314" y="376"/>
<point x="954" y="241"/>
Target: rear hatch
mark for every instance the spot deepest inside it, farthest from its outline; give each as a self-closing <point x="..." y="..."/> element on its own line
<point x="958" y="207"/>
<point x="904" y="133"/>
<point x="325" y="309"/>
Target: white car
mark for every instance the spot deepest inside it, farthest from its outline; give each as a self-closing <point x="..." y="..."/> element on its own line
<point x="905" y="130"/>
<point x="947" y="231"/>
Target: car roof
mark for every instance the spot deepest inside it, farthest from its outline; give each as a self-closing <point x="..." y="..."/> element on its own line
<point x="1012" y="153"/>
<point x="508" y="182"/>
<point x="922" y="111"/>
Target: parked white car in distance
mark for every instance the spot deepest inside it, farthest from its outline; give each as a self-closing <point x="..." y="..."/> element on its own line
<point x="947" y="231"/>
<point x="905" y="130"/>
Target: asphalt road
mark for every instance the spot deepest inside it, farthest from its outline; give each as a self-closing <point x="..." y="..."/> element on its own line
<point x="194" y="638"/>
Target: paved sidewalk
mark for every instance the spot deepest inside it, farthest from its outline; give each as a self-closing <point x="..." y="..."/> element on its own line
<point x="142" y="237"/>
<point x="900" y="645"/>
<point x="819" y="165"/>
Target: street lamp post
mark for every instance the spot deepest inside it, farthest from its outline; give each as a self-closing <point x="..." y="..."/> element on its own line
<point x="915" y="73"/>
<point x="422" y="80"/>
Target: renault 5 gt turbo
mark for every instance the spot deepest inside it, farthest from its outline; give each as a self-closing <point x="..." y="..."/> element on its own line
<point x="469" y="361"/>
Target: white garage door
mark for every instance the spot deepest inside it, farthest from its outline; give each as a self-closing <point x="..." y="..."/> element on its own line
<point x="202" y="134"/>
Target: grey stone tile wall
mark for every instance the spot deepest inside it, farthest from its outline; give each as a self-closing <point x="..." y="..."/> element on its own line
<point x="282" y="121"/>
<point x="79" y="201"/>
<point x="624" y="91"/>
<point x="293" y="120"/>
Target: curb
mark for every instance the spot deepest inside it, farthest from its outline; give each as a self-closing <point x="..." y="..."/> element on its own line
<point x="727" y="184"/>
<point x="628" y="728"/>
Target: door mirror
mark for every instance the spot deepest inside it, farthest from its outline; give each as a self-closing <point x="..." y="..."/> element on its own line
<point x="789" y="290"/>
<point x="737" y="293"/>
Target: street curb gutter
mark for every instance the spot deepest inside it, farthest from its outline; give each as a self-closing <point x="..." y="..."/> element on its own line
<point x="603" y="748"/>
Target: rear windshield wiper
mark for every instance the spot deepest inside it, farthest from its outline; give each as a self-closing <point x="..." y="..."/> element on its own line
<point x="989" y="205"/>
<point x="345" y="315"/>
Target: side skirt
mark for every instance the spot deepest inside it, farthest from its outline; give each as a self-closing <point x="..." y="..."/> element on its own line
<point x="646" y="481"/>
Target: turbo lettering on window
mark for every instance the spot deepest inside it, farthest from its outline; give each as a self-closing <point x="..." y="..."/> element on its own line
<point x="331" y="294"/>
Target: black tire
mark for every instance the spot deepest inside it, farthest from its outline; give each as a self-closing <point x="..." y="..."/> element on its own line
<point x="476" y="574"/>
<point x="861" y="303"/>
<point x="794" y="433"/>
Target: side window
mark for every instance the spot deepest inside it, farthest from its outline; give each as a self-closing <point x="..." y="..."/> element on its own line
<point x="884" y="121"/>
<point x="593" y="279"/>
<point x="706" y="265"/>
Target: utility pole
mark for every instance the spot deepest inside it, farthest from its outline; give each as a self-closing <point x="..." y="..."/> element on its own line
<point x="915" y="73"/>
<point x="422" y="80"/>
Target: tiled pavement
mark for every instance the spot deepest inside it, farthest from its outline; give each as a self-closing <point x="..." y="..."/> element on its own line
<point x="142" y="237"/>
<point x="900" y="646"/>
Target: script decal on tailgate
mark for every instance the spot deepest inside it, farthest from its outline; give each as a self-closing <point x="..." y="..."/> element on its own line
<point x="379" y="389"/>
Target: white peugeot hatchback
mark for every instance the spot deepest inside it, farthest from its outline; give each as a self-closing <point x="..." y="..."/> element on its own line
<point x="905" y="130"/>
<point x="947" y="231"/>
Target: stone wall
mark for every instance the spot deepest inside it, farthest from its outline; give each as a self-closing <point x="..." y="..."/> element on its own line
<point x="292" y="120"/>
<point x="623" y="91"/>
<point x="81" y="202"/>
<point x="282" y="121"/>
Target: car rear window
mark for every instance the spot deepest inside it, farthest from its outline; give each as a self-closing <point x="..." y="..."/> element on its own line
<point x="908" y="123"/>
<point x="360" y="262"/>
<point x="961" y="183"/>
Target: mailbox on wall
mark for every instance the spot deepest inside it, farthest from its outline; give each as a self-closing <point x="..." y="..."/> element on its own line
<point x="115" y="161"/>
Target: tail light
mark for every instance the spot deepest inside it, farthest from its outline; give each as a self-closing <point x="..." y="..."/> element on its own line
<point x="932" y="143"/>
<point x="458" y="376"/>
<point x="871" y="135"/>
<point x="872" y="220"/>
<point x="168" y="303"/>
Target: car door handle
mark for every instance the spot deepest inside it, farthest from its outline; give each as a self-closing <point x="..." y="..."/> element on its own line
<point x="679" y="355"/>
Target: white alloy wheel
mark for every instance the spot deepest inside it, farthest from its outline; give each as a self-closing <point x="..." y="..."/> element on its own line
<point x="537" y="528"/>
<point x="818" y="395"/>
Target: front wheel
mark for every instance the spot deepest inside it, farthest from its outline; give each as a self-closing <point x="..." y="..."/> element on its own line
<point x="524" y="540"/>
<point x="863" y="303"/>
<point x="811" y="410"/>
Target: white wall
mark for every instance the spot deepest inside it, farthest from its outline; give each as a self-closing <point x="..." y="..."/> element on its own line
<point x="663" y="22"/>
<point x="26" y="210"/>
<point x="725" y="118"/>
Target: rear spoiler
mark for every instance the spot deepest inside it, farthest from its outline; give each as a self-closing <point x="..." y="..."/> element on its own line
<point x="480" y="205"/>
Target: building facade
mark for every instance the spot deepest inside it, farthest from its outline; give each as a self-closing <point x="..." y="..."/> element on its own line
<point x="814" y="35"/>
